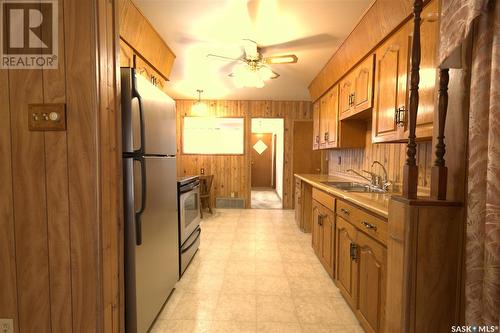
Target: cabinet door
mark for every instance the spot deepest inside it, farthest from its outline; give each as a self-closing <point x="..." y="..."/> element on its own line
<point x="328" y="232"/>
<point x="372" y="270"/>
<point x="316" y="228"/>
<point x="316" y="115"/>
<point x="429" y="30"/>
<point x="346" y="266"/>
<point x="345" y="97"/>
<point x="390" y="87"/>
<point x="331" y="117"/>
<point x="363" y="85"/>
<point x="323" y="121"/>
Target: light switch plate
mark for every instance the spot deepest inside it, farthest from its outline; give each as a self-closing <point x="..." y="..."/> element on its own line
<point x="6" y="325"/>
<point x="46" y="117"/>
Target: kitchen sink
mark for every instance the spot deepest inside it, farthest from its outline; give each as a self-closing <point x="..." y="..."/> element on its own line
<point x="354" y="187"/>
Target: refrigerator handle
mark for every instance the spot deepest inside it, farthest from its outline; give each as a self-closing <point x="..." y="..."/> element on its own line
<point x="138" y="213"/>
<point x="135" y="94"/>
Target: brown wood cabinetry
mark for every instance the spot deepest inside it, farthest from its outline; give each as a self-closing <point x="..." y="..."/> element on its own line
<point x="331" y="117"/>
<point x="390" y="112"/>
<point x="323" y="234"/>
<point x="316" y="124"/>
<point x="346" y="270"/>
<point x="356" y="89"/>
<point x="391" y="88"/>
<point x="303" y="201"/>
<point x="361" y="264"/>
<point x="346" y="89"/>
<point x="371" y="282"/>
<point x="139" y="35"/>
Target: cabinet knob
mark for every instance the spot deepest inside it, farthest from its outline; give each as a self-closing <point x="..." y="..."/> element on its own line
<point x="369" y="226"/>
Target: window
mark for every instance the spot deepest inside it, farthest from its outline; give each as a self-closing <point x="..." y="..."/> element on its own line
<point x="213" y="136"/>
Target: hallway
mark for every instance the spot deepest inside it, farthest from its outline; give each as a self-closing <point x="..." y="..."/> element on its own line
<point x="255" y="272"/>
<point x="265" y="199"/>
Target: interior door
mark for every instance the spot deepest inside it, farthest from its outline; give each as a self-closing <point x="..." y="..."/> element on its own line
<point x="262" y="160"/>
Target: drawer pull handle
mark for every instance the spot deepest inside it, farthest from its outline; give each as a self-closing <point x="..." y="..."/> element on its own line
<point x="345" y="211"/>
<point x="369" y="226"/>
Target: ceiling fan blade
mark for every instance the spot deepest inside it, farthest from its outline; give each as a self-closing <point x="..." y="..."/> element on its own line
<point x="219" y="57"/>
<point x="306" y="42"/>
<point x="282" y="59"/>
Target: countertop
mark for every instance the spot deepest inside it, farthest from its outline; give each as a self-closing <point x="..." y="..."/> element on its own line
<point x="376" y="203"/>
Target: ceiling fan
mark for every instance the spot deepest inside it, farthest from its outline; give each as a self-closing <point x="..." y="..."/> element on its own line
<point x="252" y="68"/>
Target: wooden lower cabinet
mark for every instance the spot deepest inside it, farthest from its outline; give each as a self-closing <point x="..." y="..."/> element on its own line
<point x="371" y="283"/>
<point x="361" y="274"/>
<point x="323" y="231"/>
<point x="346" y="267"/>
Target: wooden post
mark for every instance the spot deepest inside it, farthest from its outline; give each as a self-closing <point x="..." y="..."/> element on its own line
<point x="439" y="181"/>
<point x="410" y="173"/>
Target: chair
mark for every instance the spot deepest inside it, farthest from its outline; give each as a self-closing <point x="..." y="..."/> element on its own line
<point x="206" y="193"/>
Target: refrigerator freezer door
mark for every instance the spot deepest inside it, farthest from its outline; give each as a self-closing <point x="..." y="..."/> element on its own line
<point x="152" y="268"/>
<point x="141" y="98"/>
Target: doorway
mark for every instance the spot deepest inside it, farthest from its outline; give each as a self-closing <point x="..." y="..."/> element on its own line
<point x="267" y="155"/>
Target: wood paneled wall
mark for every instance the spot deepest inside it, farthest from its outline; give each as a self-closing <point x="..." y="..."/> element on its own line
<point x="60" y="201"/>
<point x="393" y="156"/>
<point x="232" y="173"/>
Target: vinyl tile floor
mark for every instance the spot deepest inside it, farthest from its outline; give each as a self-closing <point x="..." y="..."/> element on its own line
<point x="265" y="199"/>
<point x="255" y="272"/>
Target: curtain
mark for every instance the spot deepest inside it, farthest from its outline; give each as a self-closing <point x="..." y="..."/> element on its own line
<point x="482" y="255"/>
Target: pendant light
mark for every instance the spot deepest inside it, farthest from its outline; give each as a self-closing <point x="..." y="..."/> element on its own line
<point x="199" y="108"/>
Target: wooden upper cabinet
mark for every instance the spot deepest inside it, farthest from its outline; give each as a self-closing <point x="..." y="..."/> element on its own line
<point x="323" y="123"/>
<point x="330" y="117"/>
<point x="139" y="35"/>
<point x="429" y="32"/>
<point x="316" y="121"/>
<point x="346" y="91"/>
<point x="356" y="89"/>
<point x="363" y="85"/>
<point x="392" y="76"/>
<point x="391" y="88"/>
<point x="371" y="288"/>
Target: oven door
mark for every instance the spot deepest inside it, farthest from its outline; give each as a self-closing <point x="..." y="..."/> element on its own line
<point x="189" y="204"/>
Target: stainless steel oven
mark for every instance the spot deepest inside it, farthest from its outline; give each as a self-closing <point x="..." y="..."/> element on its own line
<point x="189" y="219"/>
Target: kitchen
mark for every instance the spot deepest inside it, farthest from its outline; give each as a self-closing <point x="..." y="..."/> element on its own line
<point x="260" y="166"/>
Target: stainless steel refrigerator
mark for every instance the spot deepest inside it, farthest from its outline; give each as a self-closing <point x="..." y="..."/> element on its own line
<point x="150" y="199"/>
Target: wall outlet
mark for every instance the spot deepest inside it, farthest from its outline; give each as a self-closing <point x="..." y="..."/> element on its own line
<point x="233" y="194"/>
<point x="339" y="161"/>
<point x="6" y="325"/>
<point x="202" y="171"/>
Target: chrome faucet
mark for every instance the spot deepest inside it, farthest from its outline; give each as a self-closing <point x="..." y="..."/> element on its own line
<point x="360" y="175"/>
<point x="384" y="182"/>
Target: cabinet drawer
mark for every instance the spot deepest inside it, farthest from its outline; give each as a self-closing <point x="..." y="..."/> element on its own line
<point x="324" y="198"/>
<point x="371" y="225"/>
